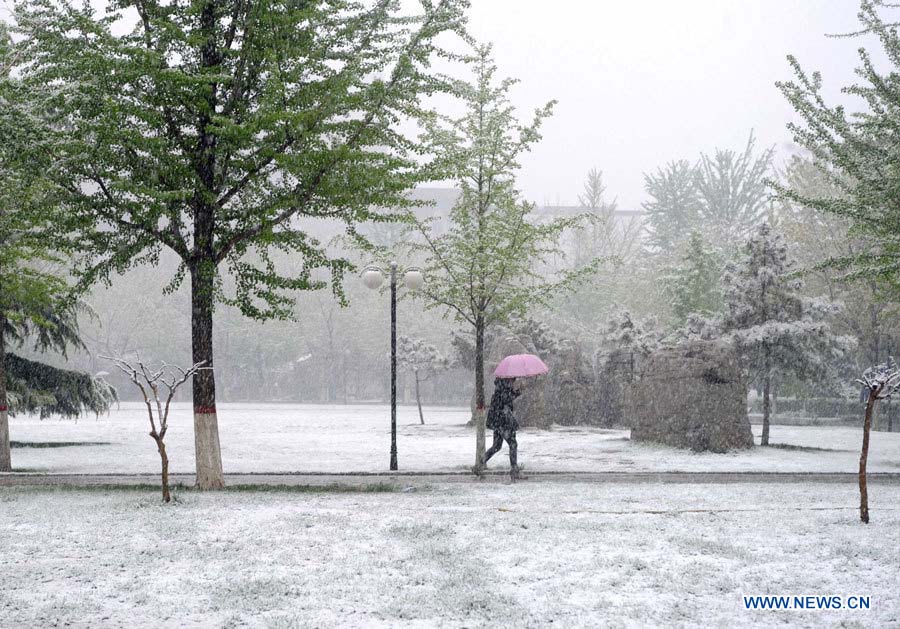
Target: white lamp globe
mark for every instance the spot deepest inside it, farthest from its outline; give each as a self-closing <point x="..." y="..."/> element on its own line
<point x="372" y="277"/>
<point x="414" y="279"/>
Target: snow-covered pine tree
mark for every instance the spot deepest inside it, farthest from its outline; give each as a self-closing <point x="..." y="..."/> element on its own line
<point x="775" y="328"/>
<point x="624" y="344"/>
<point x="484" y="269"/>
<point x="423" y="359"/>
<point x="695" y="283"/>
<point x="627" y="341"/>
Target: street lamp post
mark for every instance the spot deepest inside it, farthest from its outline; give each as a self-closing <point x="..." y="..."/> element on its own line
<point x="413" y="279"/>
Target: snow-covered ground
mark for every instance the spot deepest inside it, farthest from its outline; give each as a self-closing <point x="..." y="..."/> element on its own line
<point x="279" y="437"/>
<point x="479" y="554"/>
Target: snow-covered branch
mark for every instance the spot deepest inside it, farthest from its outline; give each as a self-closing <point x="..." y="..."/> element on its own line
<point x="882" y="381"/>
<point x="150" y="381"/>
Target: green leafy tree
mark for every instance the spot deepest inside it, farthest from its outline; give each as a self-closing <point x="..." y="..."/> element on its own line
<point x="214" y="127"/>
<point x="34" y="307"/>
<point x="870" y="310"/>
<point x="485" y="268"/>
<point x="695" y="284"/>
<point x="855" y="152"/>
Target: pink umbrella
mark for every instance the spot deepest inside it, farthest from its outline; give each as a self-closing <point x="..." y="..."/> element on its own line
<point x="521" y="366"/>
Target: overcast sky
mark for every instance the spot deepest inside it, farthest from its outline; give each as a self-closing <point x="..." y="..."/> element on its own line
<point x="640" y="83"/>
<point x="643" y="82"/>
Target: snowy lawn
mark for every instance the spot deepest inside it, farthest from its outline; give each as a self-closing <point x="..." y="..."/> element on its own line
<point x="280" y="437"/>
<point x="479" y="554"/>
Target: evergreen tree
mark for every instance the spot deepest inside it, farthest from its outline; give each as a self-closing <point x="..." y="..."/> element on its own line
<point x="593" y="195"/>
<point x="34" y="303"/>
<point x="732" y="193"/>
<point x="695" y="283"/>
<point x="214" y="126"/>
<point x="601" y="236"/>
<point x="483" y="270"/>
<point x="613" y="238"/>
<point x="627" y="337"/>
<point x="776" y="329"/>
<point x="856" y="153"/>
<point x="671" y="212"/>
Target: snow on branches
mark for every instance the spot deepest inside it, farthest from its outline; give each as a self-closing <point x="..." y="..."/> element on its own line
<point x="881" y="381"/>
<point x="151" y="383"/>
<point x="423" y="359"/>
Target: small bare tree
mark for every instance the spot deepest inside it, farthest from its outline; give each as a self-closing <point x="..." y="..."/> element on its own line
<point x="881" y="382"/>
<point x="423" y="359"/>
<point x="169" y="376"/>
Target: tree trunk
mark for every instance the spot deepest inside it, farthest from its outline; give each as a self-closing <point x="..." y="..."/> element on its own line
<point x="419" y="399"/>
<point x="876" y="329"/>
<point x="767" y="383"/>
<point x="863" y="458"/>
<point x="479" y="392"/>
<point x="165" y="470"/>
<point x="206" y="427"/>
<point x="5" y="454"/>
<point x="393" y="366"/>
<point x="773" y="405"/>
<point x="203" y="263"/>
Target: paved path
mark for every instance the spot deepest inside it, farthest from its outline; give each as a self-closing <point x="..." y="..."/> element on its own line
<point x="413" y="479"/>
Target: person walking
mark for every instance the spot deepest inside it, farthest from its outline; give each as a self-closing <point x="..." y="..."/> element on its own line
<point x="502" y="420"/>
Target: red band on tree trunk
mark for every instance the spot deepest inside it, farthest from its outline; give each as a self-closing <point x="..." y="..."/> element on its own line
<point x="3" y="408"/>
<point x="204" y="410"/>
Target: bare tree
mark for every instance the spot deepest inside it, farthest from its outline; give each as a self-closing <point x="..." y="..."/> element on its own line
<point x="424" y="360"/>
<point x="171" y="377"/>
<point x="881" y="382"/>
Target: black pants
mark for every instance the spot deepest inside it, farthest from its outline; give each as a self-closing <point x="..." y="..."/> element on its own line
<point x="510" y="437"/>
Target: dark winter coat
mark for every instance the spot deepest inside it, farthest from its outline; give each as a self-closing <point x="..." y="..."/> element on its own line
<point x="500" y="414"/>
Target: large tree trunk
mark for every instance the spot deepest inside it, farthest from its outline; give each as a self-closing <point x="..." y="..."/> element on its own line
<point x="863" y="458"/>
<point x="5" y="455"/>
<point x="419" y="398"/>
<point x="393" y="366"/>
<point x="767" y="384"/>
<point x="203" y="266"/>
<point x="479" y="391"/>
<point x="206" y="426"/>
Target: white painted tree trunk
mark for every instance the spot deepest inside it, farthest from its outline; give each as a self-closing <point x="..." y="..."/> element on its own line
<point x="207" y="452"/>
